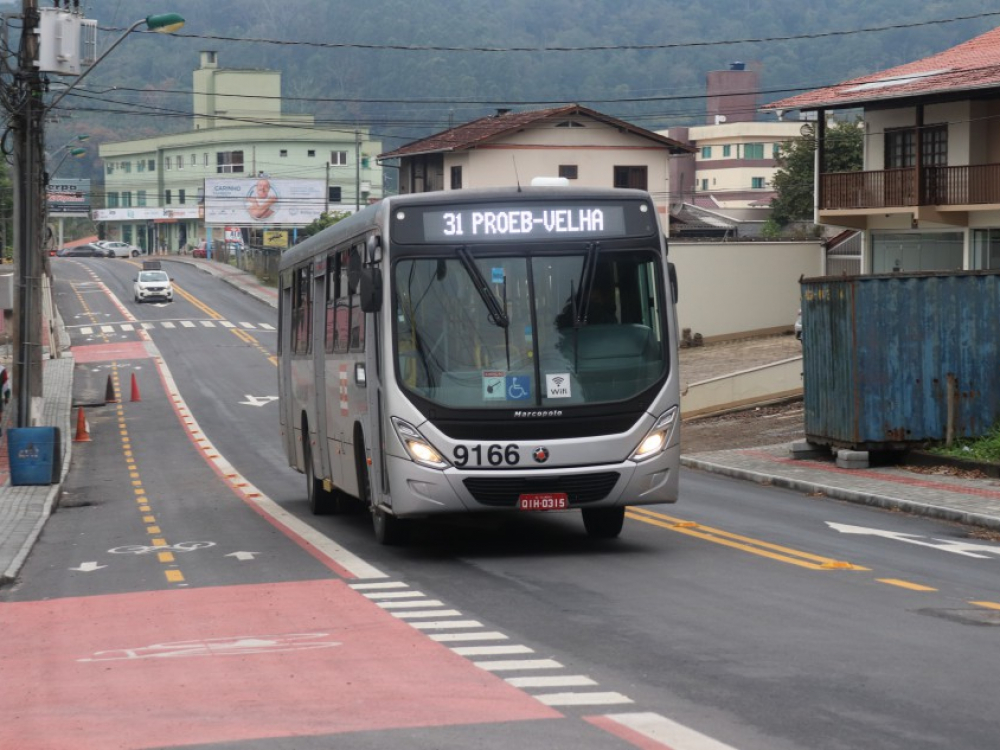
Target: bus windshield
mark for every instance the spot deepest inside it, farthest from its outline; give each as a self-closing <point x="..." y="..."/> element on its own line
<point x="581" y="328"/>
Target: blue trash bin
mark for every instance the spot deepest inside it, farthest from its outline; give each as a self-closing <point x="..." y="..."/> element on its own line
<point x="33" y="454"/>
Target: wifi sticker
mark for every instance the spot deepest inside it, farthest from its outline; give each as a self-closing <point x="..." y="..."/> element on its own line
<point x="557" y="385"/>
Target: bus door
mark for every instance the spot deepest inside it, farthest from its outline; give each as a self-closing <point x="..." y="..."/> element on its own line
<point x="286" y="406"/>
<point x="327" y="450"/>
<point x="368" y="312"/>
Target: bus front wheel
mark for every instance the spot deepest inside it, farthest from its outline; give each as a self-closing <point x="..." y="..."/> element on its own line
<point x="321" y="500"/>
<point x="603" y="523"/>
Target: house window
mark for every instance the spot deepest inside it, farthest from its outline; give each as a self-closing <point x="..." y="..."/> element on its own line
<point x="456" y="178"/>
<point x="228" y="162"/>
<point x="704" y="184"/>
<point x="757" y="183"/>
<point x="338" y="158"/>
<point x="632" y="177"/>
<point x="204" y="159"/>
<point x="283" y="153"/>
<point x="706" y="152"/>
<point x="570" y="124"/>
<point x="126" y="167"/>
<point x="140" y="166"/>
<point x="900" y="147"/>
<point x="194" y="160"/>
<point x="726" y="150"/>
<point x="753" y="151"/>
<point x="168" y="162"/>
<point x="126" y="198"/>
<point x="110" y="168"/>
<point x="166" y="197"/>
<point x="180" y="196"/>
<point x="112" y="200"/>
<point x="140" y="198"/>
<point x="986" y="249"/>
<point x="151" y="165"/>
<point x="569" y="171"/>
<point x="311" y="153"/>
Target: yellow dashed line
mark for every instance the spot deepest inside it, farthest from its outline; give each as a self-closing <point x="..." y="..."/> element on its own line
<point x="988" y="605"/>
<point x="905" y="584"/>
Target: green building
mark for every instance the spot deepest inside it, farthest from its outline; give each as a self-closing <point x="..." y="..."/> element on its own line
<point x="166" y="194"/>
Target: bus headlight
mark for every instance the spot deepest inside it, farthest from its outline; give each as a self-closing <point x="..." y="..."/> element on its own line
<point x="419" y="448"/>
<point x="658" y="436"/>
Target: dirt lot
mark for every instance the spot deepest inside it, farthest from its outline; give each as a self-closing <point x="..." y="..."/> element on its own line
<point x="763" y="425"/>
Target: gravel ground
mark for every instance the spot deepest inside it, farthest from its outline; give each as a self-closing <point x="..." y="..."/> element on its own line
<point x="748" y="428"/>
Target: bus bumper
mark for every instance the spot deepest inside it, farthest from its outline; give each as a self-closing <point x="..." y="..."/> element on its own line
<point x="421" y="491"/>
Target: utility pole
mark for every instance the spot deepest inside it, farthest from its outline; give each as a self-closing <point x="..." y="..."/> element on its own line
<point x="29" y="206"/>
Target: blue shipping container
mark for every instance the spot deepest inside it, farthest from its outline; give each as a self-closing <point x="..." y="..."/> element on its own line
<point x="33" y="454"/>
<point x="895" y="361"/>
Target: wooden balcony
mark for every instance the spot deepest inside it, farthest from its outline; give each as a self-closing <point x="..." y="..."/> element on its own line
<point x="898" y="188"/>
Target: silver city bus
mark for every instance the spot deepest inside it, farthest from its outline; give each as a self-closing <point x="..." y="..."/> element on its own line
<point x="481" y="351"/>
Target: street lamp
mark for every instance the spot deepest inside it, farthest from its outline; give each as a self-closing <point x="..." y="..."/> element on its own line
<point x="27" y="123"/>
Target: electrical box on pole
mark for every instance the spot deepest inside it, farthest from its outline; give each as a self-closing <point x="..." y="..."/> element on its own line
<point x="67" y="42"/>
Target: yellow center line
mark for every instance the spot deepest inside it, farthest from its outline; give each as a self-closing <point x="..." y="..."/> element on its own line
<point x="736" y="541"/>
<point x="988" y="605"/>
<point x="905" y="584"/>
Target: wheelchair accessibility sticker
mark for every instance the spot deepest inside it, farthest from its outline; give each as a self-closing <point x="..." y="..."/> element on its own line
<point x="499" y="386"/>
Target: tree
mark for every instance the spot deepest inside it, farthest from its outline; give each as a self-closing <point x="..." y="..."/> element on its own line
<point x="325" y="220"/>
<point x="794" y="182"/>
<point x="6" y="212"/>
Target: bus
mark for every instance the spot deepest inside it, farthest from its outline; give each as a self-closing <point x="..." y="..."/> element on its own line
<point x="483" y="351"/>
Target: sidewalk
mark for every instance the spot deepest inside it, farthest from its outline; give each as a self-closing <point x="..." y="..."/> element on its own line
<point x="24" y="510"/>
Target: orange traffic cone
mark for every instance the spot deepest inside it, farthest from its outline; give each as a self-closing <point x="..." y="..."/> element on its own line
<point x="82" y="435"/>
<point x="109" y="393"/>
<point x="135" y="389"/>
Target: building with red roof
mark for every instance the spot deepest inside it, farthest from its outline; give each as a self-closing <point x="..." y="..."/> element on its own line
<point x="512" y="148"/>
<point x="928" y="197"/>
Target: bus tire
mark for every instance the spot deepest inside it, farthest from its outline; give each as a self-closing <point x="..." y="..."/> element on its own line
<point x="321" y="501"/>
<point x="389" y="530"/>
<point x="603" y="523"/>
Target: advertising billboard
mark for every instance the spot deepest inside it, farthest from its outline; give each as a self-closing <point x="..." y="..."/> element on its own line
<point x="263" y="201"/>
<point x="68" y="197"/>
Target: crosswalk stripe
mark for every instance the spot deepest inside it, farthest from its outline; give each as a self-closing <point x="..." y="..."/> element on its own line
<point x="187" y="324"/>
<point x="227" y="324"/>
<point x="249" y="326"/>
<point x="168" y="324"/>
<point x="208" y="323"/>
<point x="86" y="331"/>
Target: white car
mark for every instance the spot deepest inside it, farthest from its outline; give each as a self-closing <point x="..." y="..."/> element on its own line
<point x="153" y="285"/>
<point x="118" y="249"/>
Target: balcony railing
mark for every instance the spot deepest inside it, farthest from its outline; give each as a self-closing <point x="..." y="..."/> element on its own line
<point x="897" y="188"/>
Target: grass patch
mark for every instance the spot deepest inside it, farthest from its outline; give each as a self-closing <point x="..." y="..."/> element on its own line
<point x="985" y="448"/>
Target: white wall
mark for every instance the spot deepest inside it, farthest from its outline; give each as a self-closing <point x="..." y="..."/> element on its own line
<point x="733" y="289"/>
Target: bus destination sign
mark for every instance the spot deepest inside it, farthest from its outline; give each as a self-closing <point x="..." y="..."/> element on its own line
<point x="483" y="223"/>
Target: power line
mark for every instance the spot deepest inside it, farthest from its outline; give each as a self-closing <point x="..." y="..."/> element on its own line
<point x="593" y="48"/>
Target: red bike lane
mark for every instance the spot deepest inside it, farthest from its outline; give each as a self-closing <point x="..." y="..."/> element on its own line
<point x="194" y="666"/>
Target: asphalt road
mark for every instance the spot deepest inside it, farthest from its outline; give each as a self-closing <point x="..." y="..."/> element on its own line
<point x="187" y="597"/>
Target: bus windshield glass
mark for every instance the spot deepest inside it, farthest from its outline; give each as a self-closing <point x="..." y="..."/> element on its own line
<point x="581" y="328"/>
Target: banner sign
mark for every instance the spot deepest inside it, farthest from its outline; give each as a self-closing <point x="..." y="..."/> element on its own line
<point x="262" y="201"/>
<point x="68" y="197"/>
<point x="146" y="213"/>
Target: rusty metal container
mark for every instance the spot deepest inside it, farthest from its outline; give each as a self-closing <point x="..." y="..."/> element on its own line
<point x="897" y="361"/>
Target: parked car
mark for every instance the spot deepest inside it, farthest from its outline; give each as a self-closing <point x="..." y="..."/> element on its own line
<point x="89" y="250"/>
<point x="152" y="285"/>
<point x="119" y="249"/>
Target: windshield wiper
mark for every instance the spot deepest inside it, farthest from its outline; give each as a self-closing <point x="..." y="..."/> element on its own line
<point x="586" y="284"/>
<point x="497" y="316"/>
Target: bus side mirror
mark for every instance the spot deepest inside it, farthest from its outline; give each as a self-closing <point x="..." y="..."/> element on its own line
<point x="672" y="275"/>
<point x="370" y="290"/>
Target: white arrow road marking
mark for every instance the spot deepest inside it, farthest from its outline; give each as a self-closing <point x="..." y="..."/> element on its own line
<point x="945" y="545"/>
<point x="243" y="555"/>
<point x="89" y="567"/>
<point x="258" y="400"/>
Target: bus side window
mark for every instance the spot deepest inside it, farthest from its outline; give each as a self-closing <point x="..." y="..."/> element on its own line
<point x="357" y="316"/>
<point x="302" y="311"/>
<point x="341" y="305"/>
<point x="330" y="333"/>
